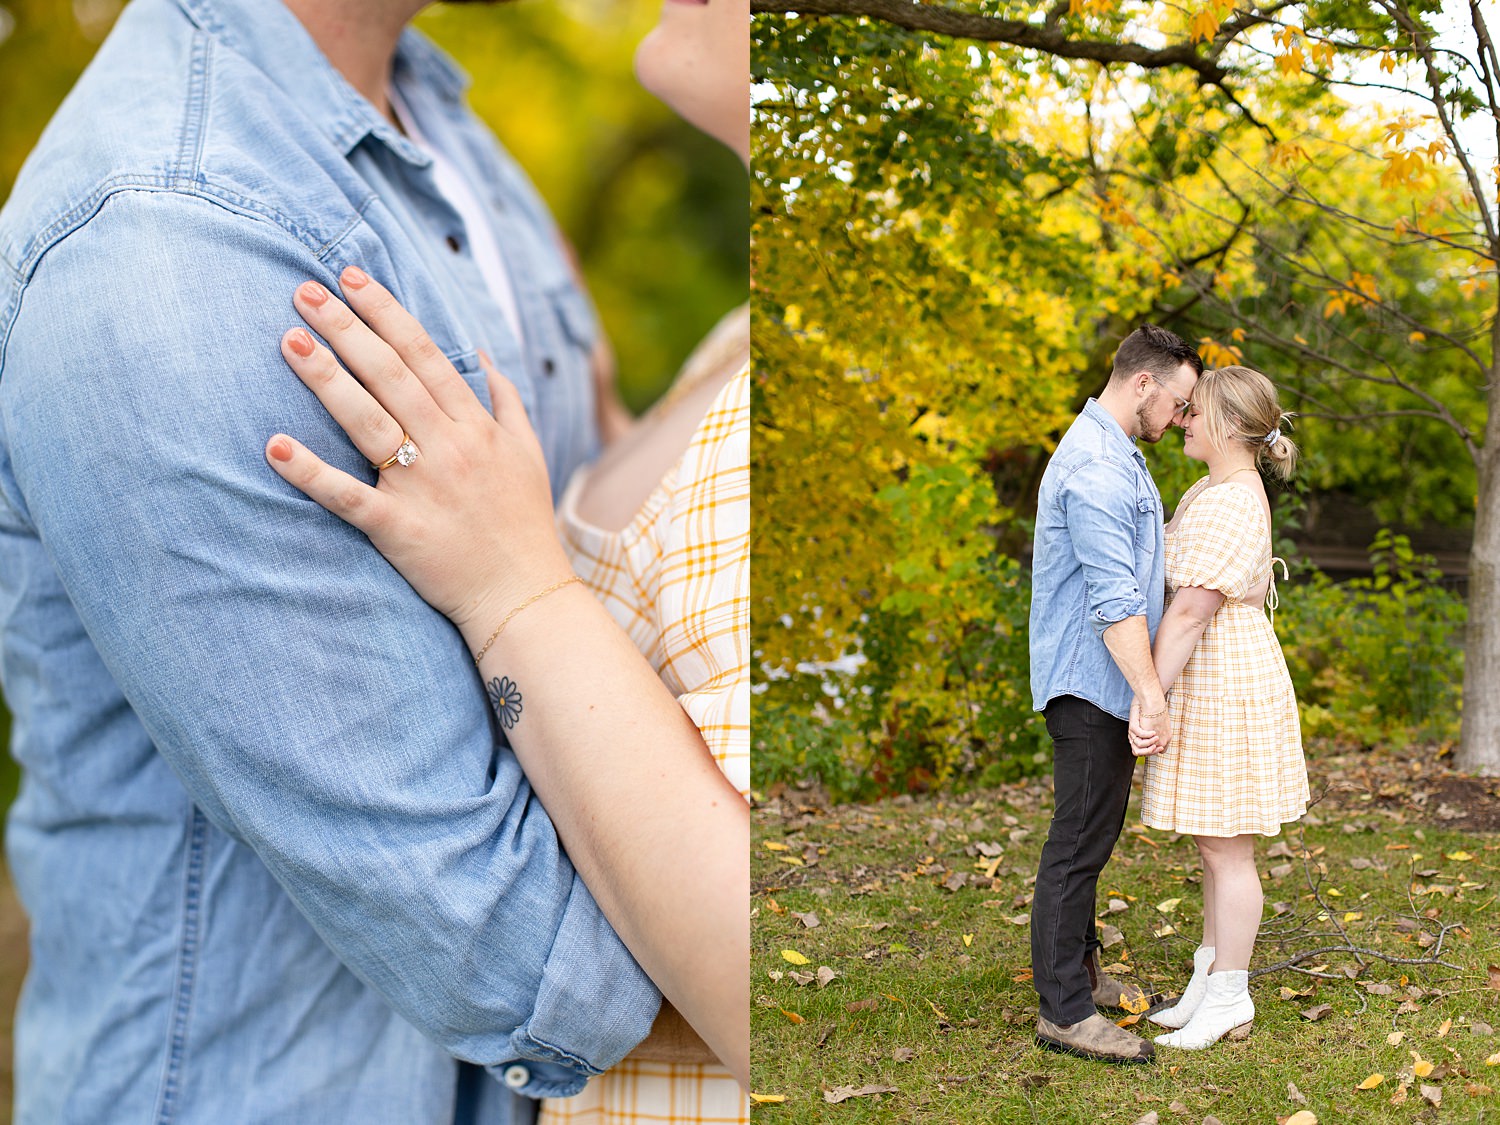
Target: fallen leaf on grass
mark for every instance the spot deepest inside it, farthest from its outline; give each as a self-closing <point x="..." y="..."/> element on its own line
<point x="1035" y="1081"/>
<point x="809" y="920"/>
<point x="903" y="1054"/>
<point x="863" y="1005"/>
<point x="1477" y="1089"/>
<point x="1177" y="1107"/>
<point x="1371" y="1082"/>
<point x="1420" y="1066"/>
<point x="775" y="907"/>
<point x="1135" y="1007"/>
<point x="1292" y="994"/>
<point x="1433" y="1095"/>
<point x="1168" y="905"/>
<point x="1443" y="1028"/>
<point x="1301" y="1117"/>
<point x="1493" y="1060"/>
<point x="1317" y="1012"/>
<point x="1395" y="1037"/>
<point x="1494" y="973"/>
<point x="825" y="976"/>
<point x="844" y="1093"/>
<point x="1166" y="931"/>
<point x="1212" y="1120"/>
<point x="1152" y="1118"/>
<point x="1020" y="920"/>
<point x="1128" y="1021"/>
<point x="1479" y="1027"/>
<point x="768" y="1099"/>
<point x="1375" y="988"/>
<point x="772" y="846"/>
<point x="802" y="978"/>
<point x="1110" y="936"/>
<point x="794" y="957"/>
<point x="1295" y="1094"/>
<point x="1399" y="1097"/>
<point x="1280" y="871"/>
<point x="1460" y="857"/>
<point x="793" y="1016"/>
<point x="1116" y="905"/>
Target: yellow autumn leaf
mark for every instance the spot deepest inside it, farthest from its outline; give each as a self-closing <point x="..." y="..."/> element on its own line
<point x="1204" y="25"/>
<point x="1302" y="1117"/>
<point x="1371" y="1082"/>
<point x="1169" y="905"/>
<point x="793" y="1016"/>
<point x="1395" y="1037"/>
<point x="793" y="956"/>
<point x="1416" y="337"/>
<point x="1420" y="1066"/>
<point x="1443" y="1028"/>
<point x="968" y="940"/>
<point x="1138" y="1006"/>
<point x="768" y="1099"/>
<point x="1459" y="857"/>
<point x="1353" y="916"/>
<point x="773" y="846"/>
<point x="1493" y="1060"/>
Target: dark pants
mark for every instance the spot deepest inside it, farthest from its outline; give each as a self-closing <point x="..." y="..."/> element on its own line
<point x="1091" y="768"/>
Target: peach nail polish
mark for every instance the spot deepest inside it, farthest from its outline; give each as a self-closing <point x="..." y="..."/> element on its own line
<point x="313" y="293"/>
<point x="354" y="277"/>
<point x="281" y="450"/>
<point x="300" y="342"/>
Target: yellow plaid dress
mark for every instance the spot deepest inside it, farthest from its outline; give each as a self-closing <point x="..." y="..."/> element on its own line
<point x="1235" y="763"/>
<point x="677" y="579"/>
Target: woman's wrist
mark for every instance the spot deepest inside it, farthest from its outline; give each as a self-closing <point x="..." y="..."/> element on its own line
<point x="504" y="596"/>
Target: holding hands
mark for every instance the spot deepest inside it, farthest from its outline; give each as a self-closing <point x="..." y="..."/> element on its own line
<point x="463" y="508"/>
<point x="1150" y="730"/>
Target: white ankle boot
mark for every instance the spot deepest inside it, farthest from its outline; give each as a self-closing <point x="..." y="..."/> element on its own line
<point x="1182" y="1011"/>
<point x="1226" y="1005"/>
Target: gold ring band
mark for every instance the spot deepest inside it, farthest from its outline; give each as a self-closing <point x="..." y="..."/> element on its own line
<point x="405" y="454"/>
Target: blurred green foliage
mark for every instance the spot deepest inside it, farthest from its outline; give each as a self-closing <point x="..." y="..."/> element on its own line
<point x="656" y="211"/>
<point x="1376" y="662"/>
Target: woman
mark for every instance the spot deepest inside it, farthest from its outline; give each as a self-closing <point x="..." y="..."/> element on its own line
<point x="612" y="636"/>
<point x="1234" y="768"/>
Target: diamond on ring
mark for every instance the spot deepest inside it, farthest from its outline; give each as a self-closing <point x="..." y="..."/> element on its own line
<point x="405" y="454"/>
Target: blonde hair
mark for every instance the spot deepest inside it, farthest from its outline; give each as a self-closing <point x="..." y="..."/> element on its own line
<point x="1239" y="404"/>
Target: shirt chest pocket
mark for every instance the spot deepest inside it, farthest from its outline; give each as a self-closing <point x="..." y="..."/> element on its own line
<point x="566" y="334"/>
<point x="1147" y="523"/>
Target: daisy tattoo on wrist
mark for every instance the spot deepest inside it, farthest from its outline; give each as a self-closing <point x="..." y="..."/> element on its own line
<point x="505" y="698"/>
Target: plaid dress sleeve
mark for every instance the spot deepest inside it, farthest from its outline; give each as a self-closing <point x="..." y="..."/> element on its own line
<point x="1212" y="539"/>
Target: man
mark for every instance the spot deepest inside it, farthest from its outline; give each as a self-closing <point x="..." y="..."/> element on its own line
<point x="277" y="863"/>
<point x="1097" y="592"/>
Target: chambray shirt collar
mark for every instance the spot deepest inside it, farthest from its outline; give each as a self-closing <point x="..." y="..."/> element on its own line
<point x="274" y="40"/>
<point x="1113" y="431"/>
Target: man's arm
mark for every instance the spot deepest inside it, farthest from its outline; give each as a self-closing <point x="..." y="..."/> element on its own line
<point x="313" y="705"/>
<point x="1101" y="512"/>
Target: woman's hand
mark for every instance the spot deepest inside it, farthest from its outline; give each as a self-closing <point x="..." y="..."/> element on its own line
<point x="1144" y="741"/>
<point x="469" y="523"/>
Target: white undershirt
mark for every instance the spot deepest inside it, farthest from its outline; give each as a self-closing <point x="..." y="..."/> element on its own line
<point x="455" y="188"/>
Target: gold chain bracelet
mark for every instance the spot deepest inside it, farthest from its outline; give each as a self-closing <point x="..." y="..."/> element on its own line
<point x="536" y="597"/>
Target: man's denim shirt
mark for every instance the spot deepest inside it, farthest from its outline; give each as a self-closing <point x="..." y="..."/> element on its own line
<point x="1098" y="559"/>
<point x="279" y="865"/>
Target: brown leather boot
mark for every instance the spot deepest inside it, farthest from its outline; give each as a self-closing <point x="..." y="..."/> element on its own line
<point x="1094" y="1038"/>
<point x="1109" y="992"/>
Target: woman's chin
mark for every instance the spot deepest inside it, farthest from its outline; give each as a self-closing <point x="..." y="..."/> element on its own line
<point x="689" y="90"/>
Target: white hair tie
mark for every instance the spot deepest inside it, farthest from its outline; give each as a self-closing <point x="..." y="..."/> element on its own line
<point x="1271" y="437"/>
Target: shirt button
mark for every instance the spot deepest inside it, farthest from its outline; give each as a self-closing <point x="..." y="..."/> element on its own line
<point x="548" y="367"/>
<point x="516" y="1076"/>
<point x="453" y="243"/>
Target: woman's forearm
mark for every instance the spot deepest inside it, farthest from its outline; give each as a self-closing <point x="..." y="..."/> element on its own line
<point x="659" y="835"/>
<point x="1176" y="637"/>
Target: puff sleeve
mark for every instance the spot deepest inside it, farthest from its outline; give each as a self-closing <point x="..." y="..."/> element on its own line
<point x="1216" y="539"/>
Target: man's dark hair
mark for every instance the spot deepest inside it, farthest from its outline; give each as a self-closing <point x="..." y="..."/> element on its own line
<point x="1156" y="350"/>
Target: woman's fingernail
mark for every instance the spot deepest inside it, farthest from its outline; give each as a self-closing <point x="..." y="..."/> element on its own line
<point x="300" y="341"/>
<point x="280" y="449"/>
<point x="313" y="293"/>
<point x="354" y="277"/>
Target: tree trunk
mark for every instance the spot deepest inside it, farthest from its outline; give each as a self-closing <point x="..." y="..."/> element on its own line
<point x="1479" y="743"/>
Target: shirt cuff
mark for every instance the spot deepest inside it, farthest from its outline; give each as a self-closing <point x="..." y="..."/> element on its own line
<point x="1111" y="611"/>
<point x="593" y="1006"/>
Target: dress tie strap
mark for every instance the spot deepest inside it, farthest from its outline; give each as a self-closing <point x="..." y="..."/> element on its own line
<point x="1272" y="600"/>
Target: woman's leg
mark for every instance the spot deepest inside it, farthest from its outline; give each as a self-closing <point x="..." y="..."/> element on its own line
<point x="1235" y="898"/>
<point x="1232" y="900"/>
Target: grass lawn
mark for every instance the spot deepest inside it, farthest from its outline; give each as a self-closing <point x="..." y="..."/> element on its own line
<point x="917" y="907"/>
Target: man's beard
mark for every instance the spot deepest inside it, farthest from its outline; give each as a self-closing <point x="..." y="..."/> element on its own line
<point x="1143" y="429"/>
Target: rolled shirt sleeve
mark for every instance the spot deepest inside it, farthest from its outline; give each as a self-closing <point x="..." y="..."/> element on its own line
<point x="312" y="705"/>
<point x="1100" y="505"/>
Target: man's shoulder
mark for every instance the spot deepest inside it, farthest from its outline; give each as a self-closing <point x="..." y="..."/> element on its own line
<point x="165" y="110"/>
